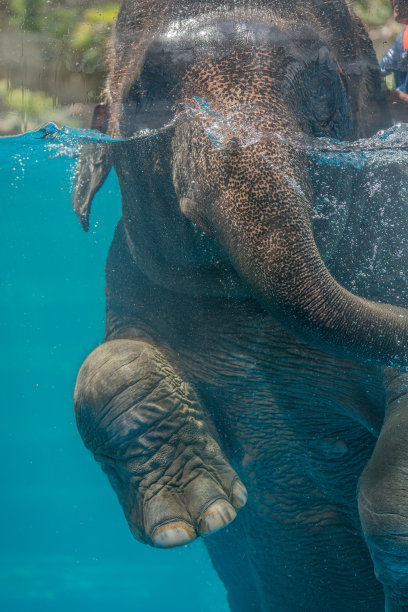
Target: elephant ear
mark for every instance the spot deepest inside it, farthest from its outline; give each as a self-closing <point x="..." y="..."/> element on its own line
<point x="94" y="165"/>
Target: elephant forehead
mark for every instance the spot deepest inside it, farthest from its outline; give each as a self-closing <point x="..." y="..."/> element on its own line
<point x="190" y="38"/>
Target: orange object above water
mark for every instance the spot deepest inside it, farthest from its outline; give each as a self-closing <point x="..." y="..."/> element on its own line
<point x="405" y="38"/>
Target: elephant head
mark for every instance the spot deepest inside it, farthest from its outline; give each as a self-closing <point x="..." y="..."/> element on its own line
<point x="242" y="84"/>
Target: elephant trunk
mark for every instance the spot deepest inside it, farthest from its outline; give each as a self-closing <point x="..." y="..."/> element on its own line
<point x="262" y="220"/>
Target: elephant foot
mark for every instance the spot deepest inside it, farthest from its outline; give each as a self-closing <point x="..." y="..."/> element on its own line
<point x="147" y="429"/>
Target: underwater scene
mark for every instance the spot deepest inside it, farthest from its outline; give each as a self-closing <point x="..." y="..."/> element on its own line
<point x="204" y="292"/>
<point x="65" y="544"/>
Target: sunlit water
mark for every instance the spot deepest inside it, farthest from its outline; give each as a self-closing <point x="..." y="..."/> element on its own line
<point x="64" y="543"/>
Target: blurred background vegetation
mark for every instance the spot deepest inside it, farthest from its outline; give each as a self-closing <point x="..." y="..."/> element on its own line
<point x="52" y="57"/>
<point x="51" y="60"/>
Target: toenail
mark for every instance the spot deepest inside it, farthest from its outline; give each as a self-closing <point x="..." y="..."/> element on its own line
<point x="173" y="534"/>
<point x="219" y="514"/>
<point x="239" y="495"/>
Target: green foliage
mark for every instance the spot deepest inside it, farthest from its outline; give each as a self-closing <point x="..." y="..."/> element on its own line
<point x="373" y="12"/>
<point x="60" y="22"/>
<point x="82" y="32"/>
<point x="70" y="37"/>
<point x="24" y="106"/>
<point x="90" y="35"/>
<point x="20" y="100"/>
<point x="28" y="13"/>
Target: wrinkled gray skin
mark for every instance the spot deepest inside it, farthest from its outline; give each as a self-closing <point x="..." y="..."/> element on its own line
<point x="235" y="353"/>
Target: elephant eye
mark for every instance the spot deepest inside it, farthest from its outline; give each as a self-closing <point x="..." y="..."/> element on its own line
<point x="321" y="99"/>
<point x="149" y="103"/>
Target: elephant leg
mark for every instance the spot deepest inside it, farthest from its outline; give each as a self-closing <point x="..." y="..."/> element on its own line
<point x="383" y="496"/>
<point x="148" y="430"/>
<point x="274" y="563"/>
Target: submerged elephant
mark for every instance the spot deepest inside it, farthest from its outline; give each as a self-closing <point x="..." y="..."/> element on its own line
<point x="233" y="354"/>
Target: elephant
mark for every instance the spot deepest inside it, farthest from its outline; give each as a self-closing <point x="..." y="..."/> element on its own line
<point x="251" y="387"/>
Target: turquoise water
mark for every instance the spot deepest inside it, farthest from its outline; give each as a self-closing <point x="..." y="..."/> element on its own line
<point x="64" y="543"/>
